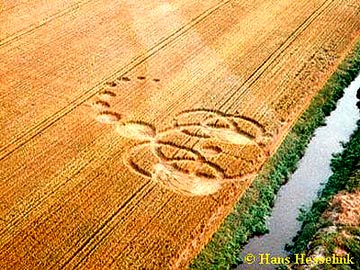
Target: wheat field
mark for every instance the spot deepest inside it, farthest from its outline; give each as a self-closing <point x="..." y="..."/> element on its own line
<point x="129" y="129"/>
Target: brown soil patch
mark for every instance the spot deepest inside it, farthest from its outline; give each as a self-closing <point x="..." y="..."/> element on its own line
<point x="345" y="209"/>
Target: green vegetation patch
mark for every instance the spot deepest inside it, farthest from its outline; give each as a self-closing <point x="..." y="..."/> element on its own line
<point x="249" y="214"/>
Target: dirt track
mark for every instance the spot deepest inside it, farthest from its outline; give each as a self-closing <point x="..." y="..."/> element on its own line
<point x="129" y="130"/>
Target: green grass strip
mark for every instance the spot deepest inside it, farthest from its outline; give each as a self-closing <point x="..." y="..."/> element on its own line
<point x="249" y="214"/>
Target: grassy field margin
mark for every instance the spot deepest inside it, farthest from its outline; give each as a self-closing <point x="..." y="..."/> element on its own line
<point x="248" y="216"/>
